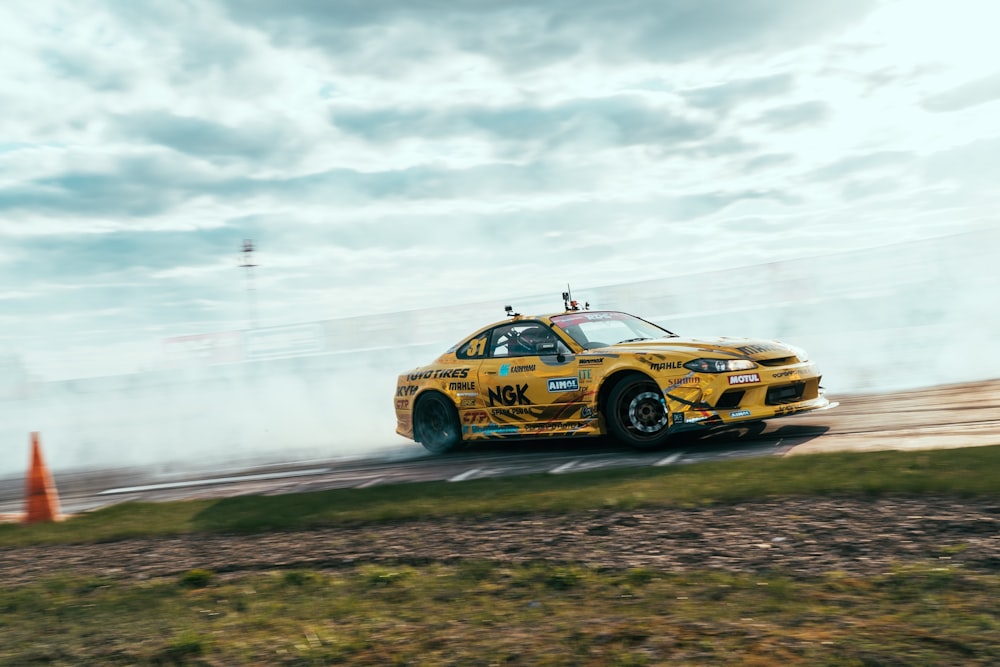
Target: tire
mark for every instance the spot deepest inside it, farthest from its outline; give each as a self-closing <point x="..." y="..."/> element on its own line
<point x="435" y="424"/>
<point x="637" y="415"/>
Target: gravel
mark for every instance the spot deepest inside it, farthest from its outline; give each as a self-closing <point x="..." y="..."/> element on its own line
<point x="795" y="537"/>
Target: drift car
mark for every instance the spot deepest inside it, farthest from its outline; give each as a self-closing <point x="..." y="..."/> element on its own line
<point x="591" y="373"/>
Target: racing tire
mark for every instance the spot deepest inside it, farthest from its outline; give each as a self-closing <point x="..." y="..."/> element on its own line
<point x="637" y="415"/>
<point x="435" y="424"/>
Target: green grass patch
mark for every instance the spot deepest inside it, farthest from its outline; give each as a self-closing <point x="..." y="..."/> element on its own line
<point x="483" y="613"/>
<point x="966" y="472"/>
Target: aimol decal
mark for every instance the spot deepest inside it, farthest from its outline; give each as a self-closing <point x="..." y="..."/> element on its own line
<point x="746" y="378"/>
<point x="564" y="384"/>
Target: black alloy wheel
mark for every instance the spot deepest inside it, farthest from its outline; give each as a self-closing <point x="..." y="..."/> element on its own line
<point x="637" y="413"/>
<point x="435" y="424"/>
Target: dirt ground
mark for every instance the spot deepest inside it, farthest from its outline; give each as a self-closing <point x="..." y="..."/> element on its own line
<point x="798" y="538"/>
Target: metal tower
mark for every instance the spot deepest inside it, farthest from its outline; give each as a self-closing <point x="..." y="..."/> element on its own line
<point x="248" y="266"/>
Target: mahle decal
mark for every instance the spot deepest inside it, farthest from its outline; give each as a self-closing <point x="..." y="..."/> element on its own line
<point x="666" y="366"/>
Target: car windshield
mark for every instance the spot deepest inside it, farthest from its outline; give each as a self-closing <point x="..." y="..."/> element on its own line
<point x="594" y="329"/>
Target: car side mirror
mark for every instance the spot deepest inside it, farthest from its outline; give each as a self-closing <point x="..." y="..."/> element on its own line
<point x="550" y="347"/>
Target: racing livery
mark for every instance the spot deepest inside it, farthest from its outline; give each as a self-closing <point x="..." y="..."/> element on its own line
<point x="590" y="373"/>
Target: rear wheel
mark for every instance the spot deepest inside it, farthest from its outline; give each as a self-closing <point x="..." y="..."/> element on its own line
<point x="637" y="414"/>
<point x="435" y="424"/>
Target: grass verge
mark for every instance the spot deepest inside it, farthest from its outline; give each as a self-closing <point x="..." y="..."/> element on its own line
<point x="962" y="472"/>
<point x="483" y="613"/>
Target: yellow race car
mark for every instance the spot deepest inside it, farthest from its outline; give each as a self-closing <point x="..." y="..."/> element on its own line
<point x="589" y="373"/>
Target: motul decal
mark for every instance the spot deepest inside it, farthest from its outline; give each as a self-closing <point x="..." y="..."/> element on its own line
<point x="746" y="378"/>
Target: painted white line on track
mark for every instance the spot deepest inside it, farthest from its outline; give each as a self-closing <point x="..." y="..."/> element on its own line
<point x="216" y="480"/>
<point x="461" y="477"/>
<point x="370" y="482"/>
<point x="670" y="459"/>
<point x="564" y="467"/>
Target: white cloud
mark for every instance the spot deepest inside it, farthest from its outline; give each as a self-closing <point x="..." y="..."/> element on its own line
<point x="412" y="149"/>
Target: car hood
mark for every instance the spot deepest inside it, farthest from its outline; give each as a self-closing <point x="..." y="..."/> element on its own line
<point x="751" y="348"/>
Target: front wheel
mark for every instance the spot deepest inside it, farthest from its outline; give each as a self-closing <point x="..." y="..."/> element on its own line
<point x="435" y="424"/>
<point x="637" y="414"/>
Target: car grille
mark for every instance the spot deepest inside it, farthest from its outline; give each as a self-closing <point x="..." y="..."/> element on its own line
<point x="730" y="399"/>
<point x="789" y="393"/>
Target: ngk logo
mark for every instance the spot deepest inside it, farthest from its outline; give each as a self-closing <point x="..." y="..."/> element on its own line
<point x="746" y="378"/>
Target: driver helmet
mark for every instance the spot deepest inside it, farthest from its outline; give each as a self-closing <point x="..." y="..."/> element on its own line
<point x="529" y="339"/>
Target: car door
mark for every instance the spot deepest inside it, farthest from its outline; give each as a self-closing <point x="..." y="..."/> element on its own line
<point x="529" y="378"/>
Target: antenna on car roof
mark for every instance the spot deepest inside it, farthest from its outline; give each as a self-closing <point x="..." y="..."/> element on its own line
<point x="569" y="303"/>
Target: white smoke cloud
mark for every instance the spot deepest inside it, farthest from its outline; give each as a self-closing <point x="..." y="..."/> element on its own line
<point x="901" y="316"/>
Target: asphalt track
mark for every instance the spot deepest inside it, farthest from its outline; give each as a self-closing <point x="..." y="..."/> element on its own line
<point x="951" y="416"/>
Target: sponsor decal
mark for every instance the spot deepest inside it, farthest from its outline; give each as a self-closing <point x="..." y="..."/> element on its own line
<point x="475" y="417"/>
<point x="564" y="321"/>
<point x="746" y="378"/>
<point x="507" y="369"/>
<point x="439" y="374"/>
<point x="586" y="412"/>
<point x="512" y="412"/>
<point x="740" y="413"/>
<point x="678" y="417"/>
<point x="509" y="395"/>
<point x="784" y="374"/>
<point x="493" y="429"/>
<point x="552" y="426"/>
<point x="403" y="404"/>
<point x="467" y="394"/>
<point x="695" y="420"/>
<point x="687" y="379"/>
<point x="461" y="386"/>
<point x="787" y="409"/>
<point x="666" y="366"/>
<point x="406" y="390"/>
<point x="563" y="384"/>
<point x="591" y="361"/>
<point x="760" y="348"/>
<point x="467" y="403"/>
<point x="584" y="374"/>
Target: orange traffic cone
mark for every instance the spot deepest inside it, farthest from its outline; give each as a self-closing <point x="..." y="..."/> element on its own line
<point x="41" y="501"/>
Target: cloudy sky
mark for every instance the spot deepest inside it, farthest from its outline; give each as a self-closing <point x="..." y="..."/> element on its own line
<point x="407" y="153"/>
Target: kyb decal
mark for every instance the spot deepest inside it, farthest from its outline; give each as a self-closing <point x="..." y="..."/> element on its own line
<point x="406" y="390"/>
<point x="746" y="378"/>
<point x="563" y="384"/>
<point x="509" y="395"/>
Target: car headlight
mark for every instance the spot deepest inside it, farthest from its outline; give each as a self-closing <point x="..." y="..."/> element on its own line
<point x="719" y="365"/>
